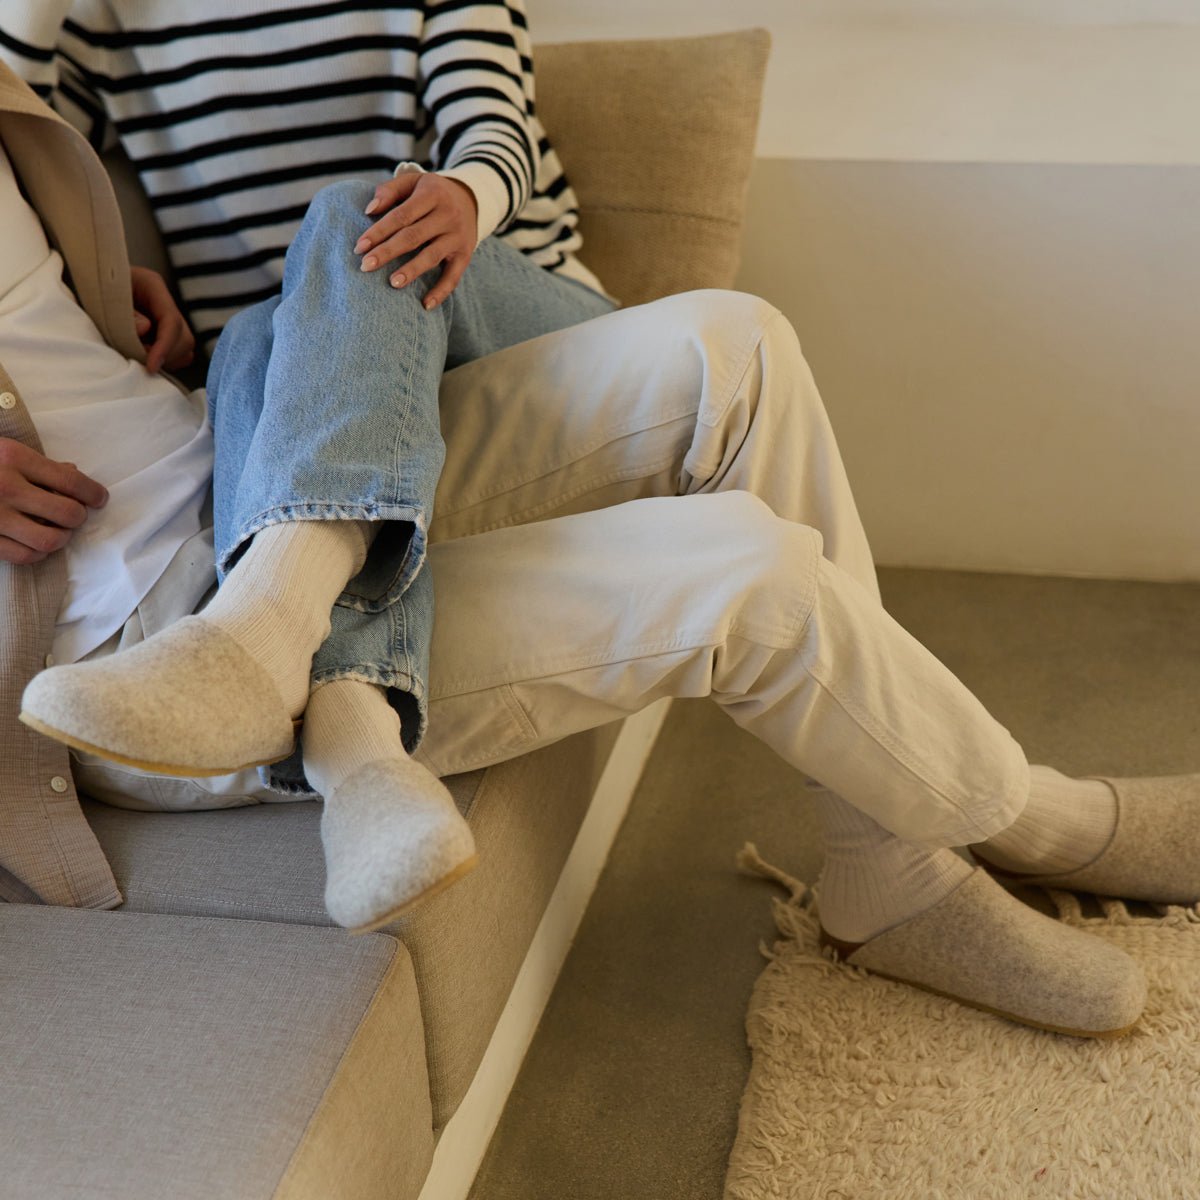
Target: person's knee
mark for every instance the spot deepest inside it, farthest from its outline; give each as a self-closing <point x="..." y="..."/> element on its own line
<point x="341" y="204"/>
<point x="723" y="321"/>
<point x="246" y="323"/>
<point x="766" y="543"/>
<point x="764" y="566"/>
<point x="248" y="331"/>
<point x="731" y="331"/>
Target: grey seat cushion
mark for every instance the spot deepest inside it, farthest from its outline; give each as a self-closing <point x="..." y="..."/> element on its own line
<point x="467" y="944"/>
<point x="144" y="1056"/>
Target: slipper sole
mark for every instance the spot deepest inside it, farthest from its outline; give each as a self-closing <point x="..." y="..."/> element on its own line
<point x="452" y="876"/>
<point x="1098" y="1034"/>
<point x="141" y="764"/>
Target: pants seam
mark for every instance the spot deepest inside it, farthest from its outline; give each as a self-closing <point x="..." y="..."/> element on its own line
<point x="517" y="709"/>
<point x="607" y="438"/>
<point x="469" y="685"/>
<point x="890" y="745"/>
<point x="759" y="332"/>
<point x="525" y="516"/>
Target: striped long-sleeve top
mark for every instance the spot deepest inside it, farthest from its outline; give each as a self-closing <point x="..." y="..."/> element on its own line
<point x="235" y="112"/>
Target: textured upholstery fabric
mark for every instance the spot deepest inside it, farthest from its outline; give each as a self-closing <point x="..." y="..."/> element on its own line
<point x="264" y="864"/>
<point x="657" y="138"/>
<point x="258" y="863"/>
<point x="147" y="1056"/>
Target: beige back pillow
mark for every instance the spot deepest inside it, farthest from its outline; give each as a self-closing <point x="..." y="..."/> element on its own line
<point x="657" y="139"/>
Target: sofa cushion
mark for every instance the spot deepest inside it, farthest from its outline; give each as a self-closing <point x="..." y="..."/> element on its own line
<point x="467" y="943"/>
<point x="657" y="139"/>
<point x="146" y="1056"/>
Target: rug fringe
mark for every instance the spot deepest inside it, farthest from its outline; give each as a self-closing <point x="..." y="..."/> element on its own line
<point x="1116" y="912"/>
<point x="750" y="862"/>
<point x="795" y="918"/>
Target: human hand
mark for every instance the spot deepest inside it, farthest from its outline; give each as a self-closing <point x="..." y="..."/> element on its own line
<point x="42" y="502"/>
<point x="159" y="323"/>
<point x="429" y="213"/>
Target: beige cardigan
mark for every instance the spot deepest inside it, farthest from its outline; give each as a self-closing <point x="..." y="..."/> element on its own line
<point x="47" y="850"/>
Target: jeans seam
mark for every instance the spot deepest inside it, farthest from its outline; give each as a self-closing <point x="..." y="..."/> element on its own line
<point x="373" y="673"/>
<point x="403" y="425"/>
<point x="330" y="510"/>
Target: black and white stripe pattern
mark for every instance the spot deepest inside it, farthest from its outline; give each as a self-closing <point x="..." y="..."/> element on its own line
<point x="236" y="117"/>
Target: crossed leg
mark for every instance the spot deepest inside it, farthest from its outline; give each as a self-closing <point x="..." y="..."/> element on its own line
<point x="740" y="573"/>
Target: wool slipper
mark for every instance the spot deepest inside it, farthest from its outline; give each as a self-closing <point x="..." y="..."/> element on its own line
<point x="188" y="701"/>
<point x="984" y="948"/>
<point x="1154" y="851"/>
<point x="393" y="837"/>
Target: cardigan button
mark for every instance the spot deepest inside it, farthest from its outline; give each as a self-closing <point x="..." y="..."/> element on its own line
<point x="59" y="784"/>
<point x="7" y="400"/>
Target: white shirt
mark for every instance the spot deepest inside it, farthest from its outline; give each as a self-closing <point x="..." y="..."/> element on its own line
<point x="131" y="431"/>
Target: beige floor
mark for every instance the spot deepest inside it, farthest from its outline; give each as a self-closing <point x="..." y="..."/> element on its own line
<point x="631" y="1087"/>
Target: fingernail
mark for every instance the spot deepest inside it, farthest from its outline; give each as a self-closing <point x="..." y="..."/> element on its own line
<point x="369" y="263"/>
<point x="430" y="302"/>
<point x="372" y="206"/>
<point x="363" y="243"/>
<point x="397" y="281"/>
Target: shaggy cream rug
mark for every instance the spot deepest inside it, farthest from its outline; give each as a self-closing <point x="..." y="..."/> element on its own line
<point x="863" y="1088"/>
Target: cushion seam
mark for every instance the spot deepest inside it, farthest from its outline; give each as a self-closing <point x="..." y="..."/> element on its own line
<point x="380" y="988"/>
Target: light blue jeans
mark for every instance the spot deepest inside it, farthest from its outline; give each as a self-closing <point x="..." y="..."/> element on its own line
<point x="324" y="406"/>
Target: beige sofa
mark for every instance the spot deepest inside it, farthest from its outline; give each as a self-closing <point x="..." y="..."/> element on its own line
<point x="216" y="1037"/>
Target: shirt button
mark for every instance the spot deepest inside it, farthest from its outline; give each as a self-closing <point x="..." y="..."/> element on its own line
<point x="7" y="400"/>
<point x="59" y="784"/>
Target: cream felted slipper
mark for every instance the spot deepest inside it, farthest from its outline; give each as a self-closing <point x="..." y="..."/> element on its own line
<point x="188" y="701"/>
<point x="1154" y="851"/>
<point x="393" y="837"/>
<point x="984" y="948"/>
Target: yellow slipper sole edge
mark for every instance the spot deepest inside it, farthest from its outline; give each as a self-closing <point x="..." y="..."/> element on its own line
<point x="156" y="768"/>
<point x="463" y="868"/>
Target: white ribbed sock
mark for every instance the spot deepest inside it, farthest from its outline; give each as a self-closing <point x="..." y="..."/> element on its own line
<point x="347" y="724"/>
<point x="390" y="829"/>
<point x="276" y="601"/>
<point x="1065" y="825"/>
<point x="873" y="880"/>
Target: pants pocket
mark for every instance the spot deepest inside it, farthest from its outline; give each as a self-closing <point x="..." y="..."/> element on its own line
<point x="475" y="729"/>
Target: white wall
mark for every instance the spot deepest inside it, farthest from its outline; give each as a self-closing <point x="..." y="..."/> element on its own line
<point x="982" y="217"/>
<point x="947" y="80"/>
<point x="1010" y="354"/>
<point x="696" y="16"/>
